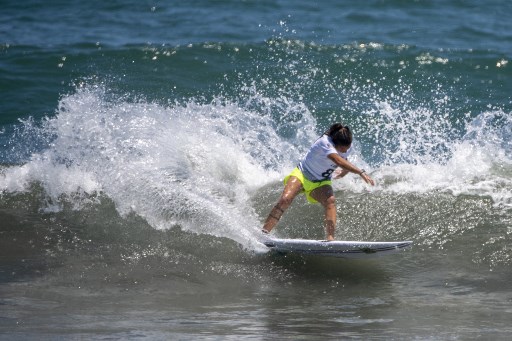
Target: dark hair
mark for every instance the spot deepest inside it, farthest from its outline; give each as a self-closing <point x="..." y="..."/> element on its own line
<point x="340" y="134"/>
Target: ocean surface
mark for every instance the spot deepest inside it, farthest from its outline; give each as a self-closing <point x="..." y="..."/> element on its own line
<point x="143" y="143"/>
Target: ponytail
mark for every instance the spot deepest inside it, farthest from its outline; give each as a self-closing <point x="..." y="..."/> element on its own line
<point x="340" y="134"/>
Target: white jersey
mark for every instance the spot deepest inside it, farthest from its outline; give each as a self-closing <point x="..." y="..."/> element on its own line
<point x="316" y="166"/>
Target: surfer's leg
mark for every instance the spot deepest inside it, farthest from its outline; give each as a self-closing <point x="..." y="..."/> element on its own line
<point x="325" y="196"/>
<point x="291" y="189"/>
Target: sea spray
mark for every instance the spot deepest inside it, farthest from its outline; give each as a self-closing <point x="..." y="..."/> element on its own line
<point x="192" y="165"/>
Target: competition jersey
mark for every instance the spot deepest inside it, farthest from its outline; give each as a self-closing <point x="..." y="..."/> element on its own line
<point x="316" y="166"/>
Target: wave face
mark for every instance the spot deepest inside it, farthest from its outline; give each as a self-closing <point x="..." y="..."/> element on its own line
<point x="205" y="161"/>
<point x="207" y="166"/>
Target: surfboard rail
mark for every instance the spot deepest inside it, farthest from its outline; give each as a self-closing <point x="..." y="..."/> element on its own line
<point x="342" y="249"/>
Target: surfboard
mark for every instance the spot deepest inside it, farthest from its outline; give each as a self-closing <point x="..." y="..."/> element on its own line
<point x="341" y="249"/>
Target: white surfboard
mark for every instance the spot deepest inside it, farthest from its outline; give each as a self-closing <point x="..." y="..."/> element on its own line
<point x="342" y="249"/>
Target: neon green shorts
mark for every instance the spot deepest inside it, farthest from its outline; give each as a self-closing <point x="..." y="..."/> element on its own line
<point x="308" y="185"/>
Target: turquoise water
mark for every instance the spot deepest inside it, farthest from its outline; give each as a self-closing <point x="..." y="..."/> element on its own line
<point x="142" y="144"/>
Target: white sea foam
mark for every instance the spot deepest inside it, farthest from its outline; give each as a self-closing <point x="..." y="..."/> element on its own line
<point x="197" y="165"/>
<point x="424" y="154"/>
<point x="193" y="165"/>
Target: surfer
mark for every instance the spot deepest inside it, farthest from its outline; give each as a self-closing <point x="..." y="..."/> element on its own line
<point x="313" y="176"/>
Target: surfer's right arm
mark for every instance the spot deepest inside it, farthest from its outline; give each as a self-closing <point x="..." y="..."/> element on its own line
<point x="349" y="167"/>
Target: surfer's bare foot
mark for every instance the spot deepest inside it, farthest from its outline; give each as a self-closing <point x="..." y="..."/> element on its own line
<point x="330" y="238"/>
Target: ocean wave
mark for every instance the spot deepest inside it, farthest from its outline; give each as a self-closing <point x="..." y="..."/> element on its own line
<point x="192" y="165"/>
<point x="214" y="168"/>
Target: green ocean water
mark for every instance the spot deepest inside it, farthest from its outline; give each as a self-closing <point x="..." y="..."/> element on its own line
<point x="142" y="144"/>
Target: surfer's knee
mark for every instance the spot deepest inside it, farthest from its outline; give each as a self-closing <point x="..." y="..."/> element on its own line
<point x="329" y="202"/>
<point x="284" y="202"/>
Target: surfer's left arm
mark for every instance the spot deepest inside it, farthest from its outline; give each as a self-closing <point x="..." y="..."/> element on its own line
<point x="341" y="172"/>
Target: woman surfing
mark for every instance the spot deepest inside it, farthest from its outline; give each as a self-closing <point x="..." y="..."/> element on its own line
<point x="313" y="176"/>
